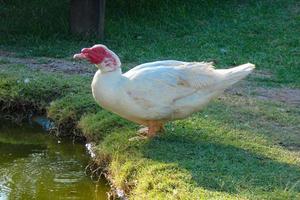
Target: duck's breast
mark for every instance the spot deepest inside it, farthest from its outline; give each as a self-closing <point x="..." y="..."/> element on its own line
<point x="109" y="93"/>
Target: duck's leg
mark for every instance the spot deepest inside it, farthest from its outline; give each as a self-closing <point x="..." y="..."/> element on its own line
<point x="154" y="127"/>
<point x="150" y="131"/>
<point x="141" y="134"/>
<point x="143" y="131"/>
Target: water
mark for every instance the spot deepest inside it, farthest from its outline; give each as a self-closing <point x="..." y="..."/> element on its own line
<point x="35" y="165"/>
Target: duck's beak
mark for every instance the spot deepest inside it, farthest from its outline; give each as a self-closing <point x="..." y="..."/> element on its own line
<point x="79" y="56"/>
<point x="82" y="55"/>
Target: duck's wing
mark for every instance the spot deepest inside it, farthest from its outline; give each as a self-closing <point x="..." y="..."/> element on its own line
<point x="155" y="64"/>
<point x="157" y="88"/>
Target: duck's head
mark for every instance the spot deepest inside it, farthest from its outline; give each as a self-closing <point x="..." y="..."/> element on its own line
<point x="101" y="56"/>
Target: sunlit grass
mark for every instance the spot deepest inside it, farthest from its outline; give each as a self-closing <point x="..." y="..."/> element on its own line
<point x="213" y="154"/>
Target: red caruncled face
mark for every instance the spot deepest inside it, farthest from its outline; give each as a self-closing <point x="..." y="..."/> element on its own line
<point x="96" y="54"/>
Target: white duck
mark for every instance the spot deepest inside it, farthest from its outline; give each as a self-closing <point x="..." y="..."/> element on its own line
<point x="153" y="93"/>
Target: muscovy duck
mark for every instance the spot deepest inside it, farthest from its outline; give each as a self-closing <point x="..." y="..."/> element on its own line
<point x="154" y="93"/>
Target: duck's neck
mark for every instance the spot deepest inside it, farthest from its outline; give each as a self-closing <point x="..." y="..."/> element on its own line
<point x="107" y="78"/>
<point x="105" y="85"/>
<point x="114" y="73"/>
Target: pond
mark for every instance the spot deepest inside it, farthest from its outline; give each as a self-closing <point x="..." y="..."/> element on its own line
<point x="36" y="165"/>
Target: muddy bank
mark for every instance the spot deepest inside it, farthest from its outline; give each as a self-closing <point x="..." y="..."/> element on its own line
<point x="49" y="64"/>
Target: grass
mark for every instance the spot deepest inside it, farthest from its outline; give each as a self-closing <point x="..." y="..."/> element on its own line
<point x="216" y="154"/>
<point x="239" y="147"/>
<point x="227" y="32"/>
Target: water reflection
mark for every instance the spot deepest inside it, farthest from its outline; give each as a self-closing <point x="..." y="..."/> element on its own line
<point x="33" y="165"/>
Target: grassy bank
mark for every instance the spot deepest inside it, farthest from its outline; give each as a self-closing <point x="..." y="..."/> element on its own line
<point x="238" y="147"/>
<point x="242" y="146"/>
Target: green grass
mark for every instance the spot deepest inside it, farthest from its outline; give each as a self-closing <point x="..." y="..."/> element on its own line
<point x="239" y="147"/>
<point x="97" y="126"/>
<point x="227" y="32"/>
<point x="225" y="152"/>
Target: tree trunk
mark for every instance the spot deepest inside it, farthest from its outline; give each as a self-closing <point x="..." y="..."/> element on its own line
<point x="87" y="17"/>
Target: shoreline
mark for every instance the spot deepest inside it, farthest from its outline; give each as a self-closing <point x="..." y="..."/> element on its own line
<point x="19" y="112"/>
<point x="93" y="169"/>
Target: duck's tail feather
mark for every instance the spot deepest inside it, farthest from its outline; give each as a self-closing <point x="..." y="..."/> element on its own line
<point x="233" y="75"/>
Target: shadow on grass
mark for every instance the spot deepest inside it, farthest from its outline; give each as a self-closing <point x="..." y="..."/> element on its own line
<point x="220" y="167"/>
